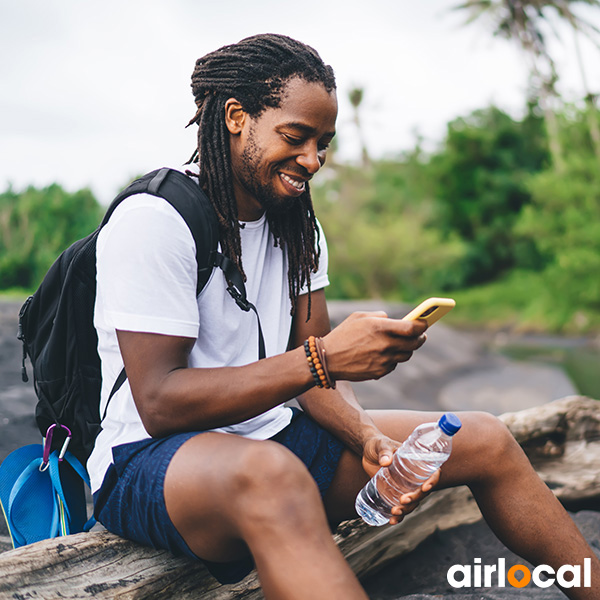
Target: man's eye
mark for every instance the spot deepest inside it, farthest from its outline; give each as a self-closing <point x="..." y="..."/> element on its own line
<point x="295" y="141"/>
<point x="323" y="147"/>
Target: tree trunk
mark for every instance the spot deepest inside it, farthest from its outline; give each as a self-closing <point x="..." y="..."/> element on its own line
<point x="589" y="100"/>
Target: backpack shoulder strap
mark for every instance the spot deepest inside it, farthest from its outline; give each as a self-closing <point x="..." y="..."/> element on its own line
<point x="188" y="198"/>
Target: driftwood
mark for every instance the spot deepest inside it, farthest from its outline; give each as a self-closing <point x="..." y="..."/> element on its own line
<point x="561" y="438"/>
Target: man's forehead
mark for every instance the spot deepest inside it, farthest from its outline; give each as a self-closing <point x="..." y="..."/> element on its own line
<point x="305" y="105"/>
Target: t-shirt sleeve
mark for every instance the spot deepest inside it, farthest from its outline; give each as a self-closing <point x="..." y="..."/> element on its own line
<point x="146" y="269"/>
<point x="320" y="279"/>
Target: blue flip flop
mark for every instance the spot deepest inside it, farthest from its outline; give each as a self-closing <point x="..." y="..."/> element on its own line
<point x="42" y="494"/>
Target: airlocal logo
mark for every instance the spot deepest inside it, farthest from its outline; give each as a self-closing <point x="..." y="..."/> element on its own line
<point x="518" y="576"/>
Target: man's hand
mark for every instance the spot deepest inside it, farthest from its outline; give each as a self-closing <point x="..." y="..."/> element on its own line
<point x="410" y="501"/>
<point x="378" y="452"/>
<point x="370" y="345"/>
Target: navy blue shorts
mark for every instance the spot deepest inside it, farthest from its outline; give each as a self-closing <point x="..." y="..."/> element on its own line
<point x="131" y="504"/>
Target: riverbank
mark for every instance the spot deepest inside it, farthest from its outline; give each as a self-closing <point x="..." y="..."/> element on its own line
<point x="454" y="370"/>
<point x="459" y="370"/>
<point x="422" y="574"/>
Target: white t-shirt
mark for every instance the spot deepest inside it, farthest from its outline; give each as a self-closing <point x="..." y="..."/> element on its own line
<point x="146" y="282"/>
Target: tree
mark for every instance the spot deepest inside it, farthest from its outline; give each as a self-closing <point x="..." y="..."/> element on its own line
<point x="524" y="22"/>
<point x="356" y="97"/>
<point x="380" y="244"/>
<point x="479" y="178"/>
<point x="580" y="25"/>
<point x="520" y="21"/>
<point x="564" y="220"/>
<point x="36" y="225"/>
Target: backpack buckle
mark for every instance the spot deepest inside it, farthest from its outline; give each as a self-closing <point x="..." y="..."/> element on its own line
<point x="240" y="300"/>
<point x="48" y="444"/>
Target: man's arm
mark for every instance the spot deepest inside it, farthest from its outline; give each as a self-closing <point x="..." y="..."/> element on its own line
<point x="172" y="397"/>
<point x="338" y="410"/>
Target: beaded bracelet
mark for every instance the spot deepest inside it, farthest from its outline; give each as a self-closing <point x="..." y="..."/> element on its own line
<point x="313" y="362"/>
<point x="323" y="358"/>
<point x="315" y="356"/>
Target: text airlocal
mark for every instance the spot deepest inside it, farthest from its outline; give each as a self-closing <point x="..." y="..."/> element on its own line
<point x="518" y="576"/>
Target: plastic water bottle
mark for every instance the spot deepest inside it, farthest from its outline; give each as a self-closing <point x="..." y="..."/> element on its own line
<point x="425" y="450"/>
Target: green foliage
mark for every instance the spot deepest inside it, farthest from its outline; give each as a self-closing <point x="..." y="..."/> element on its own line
<point x="36" y="225"/>
<point x="480" y="176"/>
<point x="564" y="219"/>
<point x="521" y="301"/>
<point x="485" y="219"/>
<point x="379" y="242"/>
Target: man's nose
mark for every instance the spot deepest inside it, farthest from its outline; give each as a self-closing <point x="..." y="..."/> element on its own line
<point x="310" y="160"/>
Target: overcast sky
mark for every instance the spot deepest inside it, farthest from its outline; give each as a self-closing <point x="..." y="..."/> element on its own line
<point x="93" y="93"/>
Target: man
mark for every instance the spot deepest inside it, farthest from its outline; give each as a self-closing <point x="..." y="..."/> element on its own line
<point x="197" y="452"/>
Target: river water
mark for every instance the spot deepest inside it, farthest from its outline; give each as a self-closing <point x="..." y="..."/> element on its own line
<point x="578" y="357"/>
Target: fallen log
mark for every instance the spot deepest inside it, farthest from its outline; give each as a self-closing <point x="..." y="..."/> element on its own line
<point x="562" y="439"/>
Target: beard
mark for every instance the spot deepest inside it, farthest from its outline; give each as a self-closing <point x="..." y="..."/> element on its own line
<point x="264" y="193"/>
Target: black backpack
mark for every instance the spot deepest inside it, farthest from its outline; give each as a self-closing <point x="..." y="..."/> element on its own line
<point x="56" y="323"/>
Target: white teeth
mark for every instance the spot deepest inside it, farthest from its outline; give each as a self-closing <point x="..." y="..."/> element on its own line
<point x="299" y="185"/>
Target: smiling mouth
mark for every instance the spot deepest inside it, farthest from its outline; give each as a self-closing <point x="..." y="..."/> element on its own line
<point x="299" y="185"/>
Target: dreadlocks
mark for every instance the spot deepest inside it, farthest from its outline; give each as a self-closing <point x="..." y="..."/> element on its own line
<point x="255" y="72"/>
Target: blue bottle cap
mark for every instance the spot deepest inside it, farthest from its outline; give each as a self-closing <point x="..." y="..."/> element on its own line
<point x="449" y="423"/>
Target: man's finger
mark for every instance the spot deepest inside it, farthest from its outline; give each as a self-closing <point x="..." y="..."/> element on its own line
<point x="386" y="454"/>
<point x="431" y="482"/>
<point x="396" y="519"/>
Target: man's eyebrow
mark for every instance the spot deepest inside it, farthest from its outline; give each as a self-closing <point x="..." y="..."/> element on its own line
<point x="307" y="129"/>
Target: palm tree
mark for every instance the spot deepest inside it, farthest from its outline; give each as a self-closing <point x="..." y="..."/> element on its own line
<point x="581" y="26"/>
<point x="519" y="21"/>
<point x="523" y="21"/>
<point x="355" y="95"/>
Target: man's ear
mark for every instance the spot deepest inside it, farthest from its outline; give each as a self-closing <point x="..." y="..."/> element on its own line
<point x="235" y="116"/>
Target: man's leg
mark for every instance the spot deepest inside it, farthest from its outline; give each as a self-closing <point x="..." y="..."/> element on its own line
<point x="515" y="502"/>
<point x="226" y="494"/>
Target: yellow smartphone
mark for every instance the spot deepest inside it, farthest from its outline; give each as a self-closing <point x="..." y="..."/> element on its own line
<point x="431" y="310"/>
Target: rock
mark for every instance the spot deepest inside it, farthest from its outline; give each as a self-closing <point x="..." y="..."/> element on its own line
<point x="423" y="573"/>
<point x="456" y="370"/>
<point x="506" y="386"/>
<point x="101" y="565"/>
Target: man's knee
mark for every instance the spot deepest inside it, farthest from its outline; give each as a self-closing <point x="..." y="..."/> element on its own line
<point x="246" y="487"/>
<point x="487" y="438"/>
<point x="268" y="480"/>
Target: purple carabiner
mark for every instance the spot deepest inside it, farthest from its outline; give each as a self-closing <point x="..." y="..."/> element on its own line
<point x="48" y="442"/>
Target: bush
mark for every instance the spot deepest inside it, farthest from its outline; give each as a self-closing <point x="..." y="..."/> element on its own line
<point x="480" y="179"/>
<point x="564" y="219"/>
<point x="36" y="226"/>
<point x="380" y="244"/>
